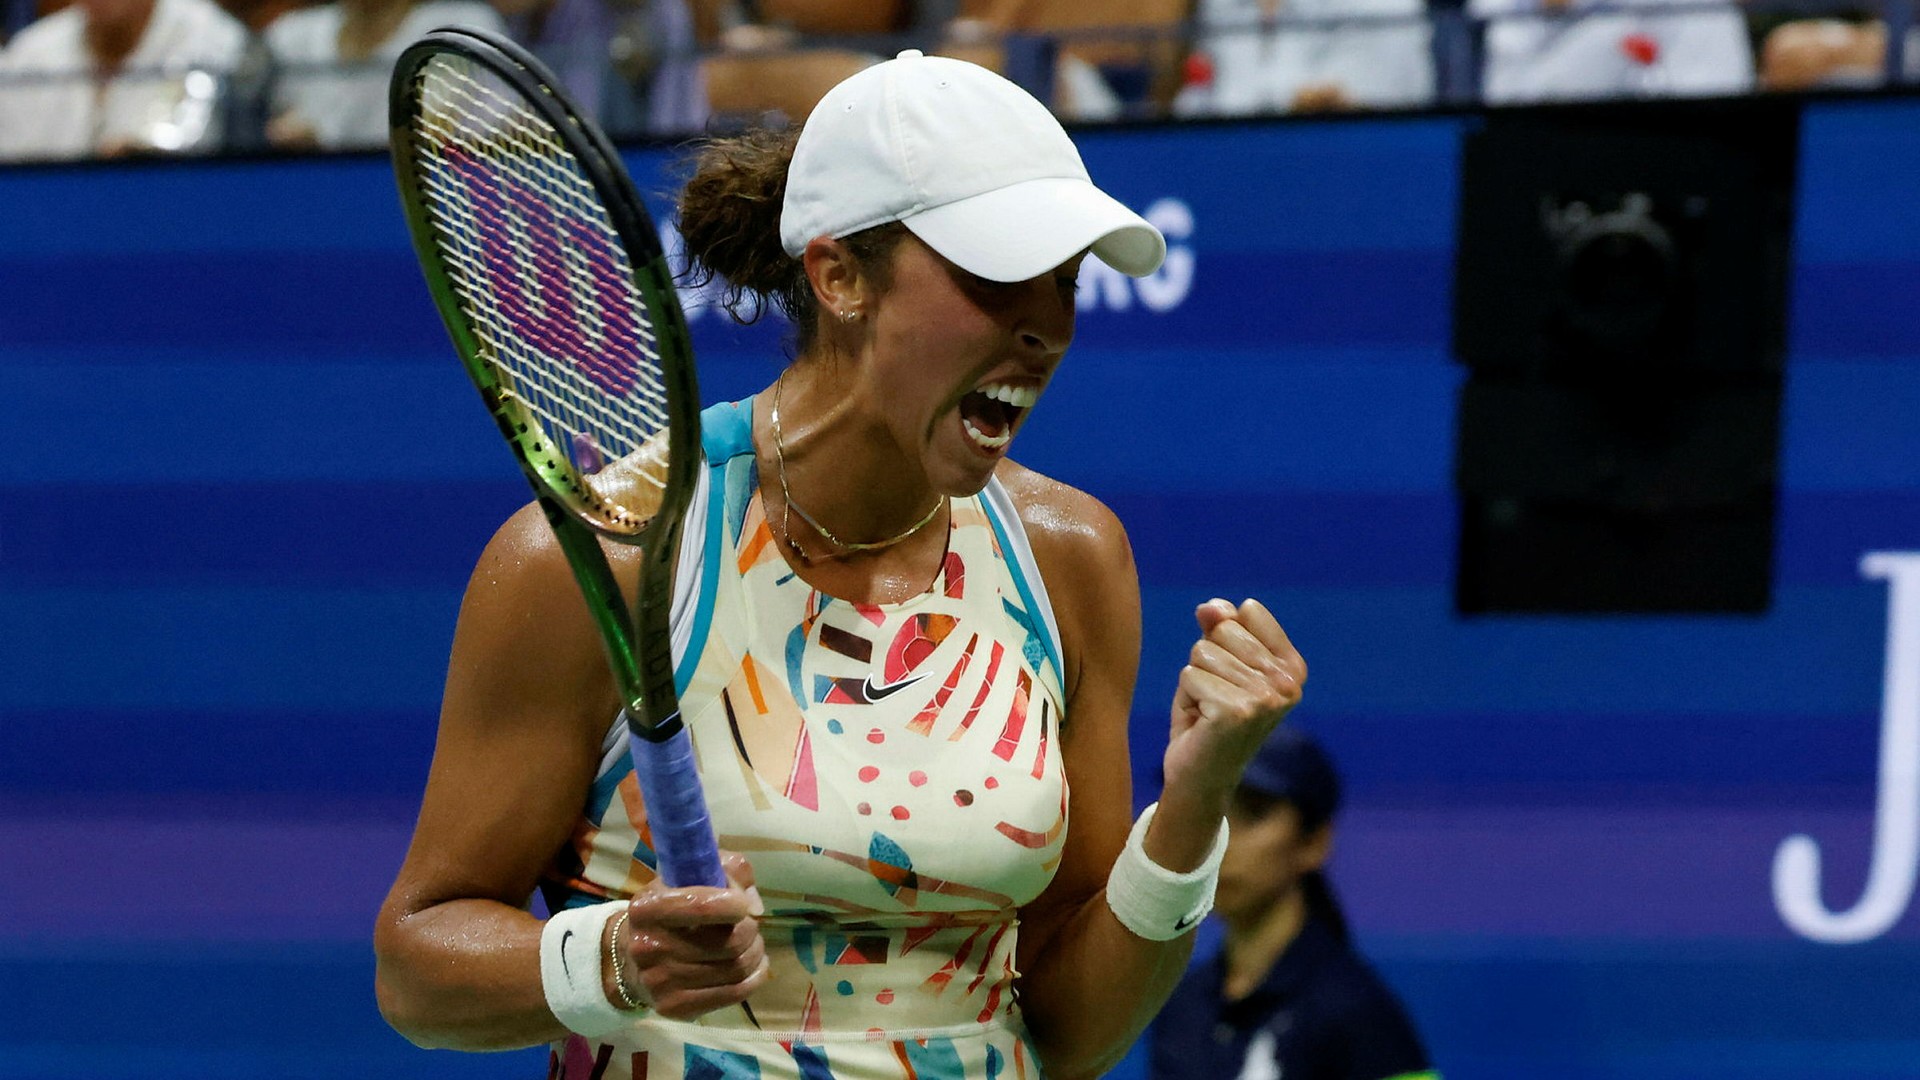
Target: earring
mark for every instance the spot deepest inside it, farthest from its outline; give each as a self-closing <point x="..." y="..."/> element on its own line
<point x="849" y="315"/>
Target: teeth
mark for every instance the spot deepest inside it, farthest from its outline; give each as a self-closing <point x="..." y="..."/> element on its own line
<point x="985" y="441"/>
<point x="1021" y="397"/>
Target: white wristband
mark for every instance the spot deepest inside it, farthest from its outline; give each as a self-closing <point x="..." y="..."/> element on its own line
<point x="572" y="965"/>
<point x="1154" y="902"/>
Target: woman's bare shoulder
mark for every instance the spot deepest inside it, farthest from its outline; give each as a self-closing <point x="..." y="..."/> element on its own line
<point x="525" y="634"/>
<point x="524" y="559"/>
<point x="1087" y="563"/>
<point x="1063" y="519"/>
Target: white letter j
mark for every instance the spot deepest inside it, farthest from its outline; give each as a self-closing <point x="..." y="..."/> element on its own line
<point x="1896" y="838"/>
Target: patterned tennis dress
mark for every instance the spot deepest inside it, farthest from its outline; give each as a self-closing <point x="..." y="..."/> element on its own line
<point x="891" y="771"/>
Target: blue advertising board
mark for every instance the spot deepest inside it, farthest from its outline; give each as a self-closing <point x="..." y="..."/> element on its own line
<point x="246" y="481"/>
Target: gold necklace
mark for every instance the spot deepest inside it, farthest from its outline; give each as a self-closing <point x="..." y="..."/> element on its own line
<point x="789" y="509"/>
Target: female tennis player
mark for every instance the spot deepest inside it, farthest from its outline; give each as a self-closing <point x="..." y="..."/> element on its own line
<point x="905" y="661"/>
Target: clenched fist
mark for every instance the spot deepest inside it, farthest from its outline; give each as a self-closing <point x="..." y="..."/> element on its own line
<point x="1242" y="677"/>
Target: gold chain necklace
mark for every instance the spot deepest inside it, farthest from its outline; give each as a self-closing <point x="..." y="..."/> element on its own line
<point x="789" y="509"/>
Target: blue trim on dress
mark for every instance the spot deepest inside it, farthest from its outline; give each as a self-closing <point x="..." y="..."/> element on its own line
<point x="1018" y="572"/>
<point x="725" y="429"/>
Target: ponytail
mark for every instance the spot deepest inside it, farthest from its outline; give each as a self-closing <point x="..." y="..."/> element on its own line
<point x="730" y="222"/>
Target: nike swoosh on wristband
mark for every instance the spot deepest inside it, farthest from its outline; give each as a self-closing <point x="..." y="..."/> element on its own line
<point x="563" y="952"/>
<point x="876" y="693"/>
<point x="1186" y="920"/>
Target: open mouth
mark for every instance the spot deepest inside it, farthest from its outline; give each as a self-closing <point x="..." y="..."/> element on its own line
<point x="990" y="413"/>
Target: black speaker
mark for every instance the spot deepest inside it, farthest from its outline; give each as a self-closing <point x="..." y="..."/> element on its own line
<point x="1620" y="305"/>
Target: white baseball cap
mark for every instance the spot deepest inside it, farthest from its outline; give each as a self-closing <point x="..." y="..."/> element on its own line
<point x="971" y="163"/>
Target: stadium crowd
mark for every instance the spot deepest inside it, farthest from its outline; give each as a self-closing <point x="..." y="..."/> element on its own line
<point x="114" y="77"/>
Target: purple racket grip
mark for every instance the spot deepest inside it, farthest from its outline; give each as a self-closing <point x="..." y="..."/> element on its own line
<point x="683" y="843"/>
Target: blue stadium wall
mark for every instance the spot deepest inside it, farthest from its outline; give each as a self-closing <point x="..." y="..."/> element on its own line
<point x="244" y="481"/>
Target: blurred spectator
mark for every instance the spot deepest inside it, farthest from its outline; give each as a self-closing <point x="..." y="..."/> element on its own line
<point x="331" y="90"/>
<point x="260" y="14"/>
<point x="1259" y="56"/>
<point x="1830" y="54"/>
<point x="631" y="64"/>
<point x="1114" y="58"/>
<point x="848" y="18"/>
<point x="1286" y="997"/>
<point x="768" y="56"/>
<point x="1556" y="50"/>
<point x="779" y="56"/>
<point x="112" y="77"/>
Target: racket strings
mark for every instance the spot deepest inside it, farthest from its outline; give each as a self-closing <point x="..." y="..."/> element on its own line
<point x="549" y="349"/>
<point x="539" y="269"/>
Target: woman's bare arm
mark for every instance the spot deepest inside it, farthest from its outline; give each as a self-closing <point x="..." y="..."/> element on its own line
<point x="527" y="704"/>
<point x="528" y="697"/>
<point x="1089" y="985"/>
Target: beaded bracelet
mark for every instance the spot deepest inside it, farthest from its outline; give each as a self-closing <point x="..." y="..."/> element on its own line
<point x="627" y="1000"/>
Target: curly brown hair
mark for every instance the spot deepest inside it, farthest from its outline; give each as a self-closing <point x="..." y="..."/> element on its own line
<point x="730" y="221"/>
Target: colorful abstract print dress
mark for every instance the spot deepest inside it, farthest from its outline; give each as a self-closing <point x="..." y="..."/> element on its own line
<point x="893" y="773"/>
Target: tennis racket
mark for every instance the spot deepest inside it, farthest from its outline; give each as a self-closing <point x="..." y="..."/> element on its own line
<point x="551" y="281"/>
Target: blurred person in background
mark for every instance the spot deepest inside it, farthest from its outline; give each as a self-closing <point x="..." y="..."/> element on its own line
<point x="115" y="77"/>
<point x="633" y="65"/>
<point x="1286" y="996"/>
<point x="778" y="57"/>
<point x="259" y="14"/>
<point x="1112" y="59"/>
<point x="1561" y="50"/>
<point x="330" y="92"/>
<point x="1269" y="56"/>
<point x="1844" y="50"/>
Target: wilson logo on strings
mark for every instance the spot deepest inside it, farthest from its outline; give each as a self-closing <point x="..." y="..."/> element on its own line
<point x="533" y="260"/>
